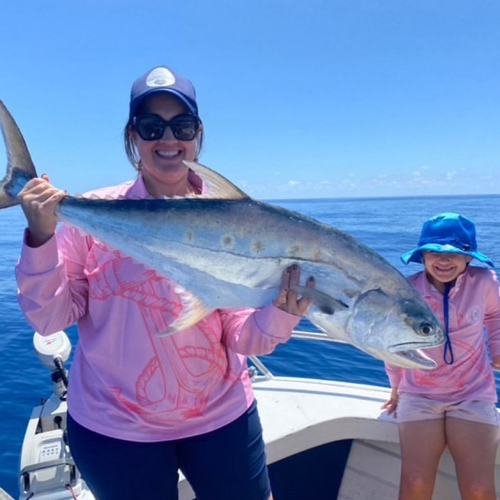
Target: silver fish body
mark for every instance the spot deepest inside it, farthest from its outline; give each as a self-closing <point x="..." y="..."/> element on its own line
<point x="227" y="250"/>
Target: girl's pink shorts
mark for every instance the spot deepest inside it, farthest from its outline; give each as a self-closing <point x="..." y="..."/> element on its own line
<point x="413" y="408"/>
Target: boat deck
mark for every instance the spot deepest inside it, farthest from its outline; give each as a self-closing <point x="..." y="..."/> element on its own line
<point x="330" y="440"/>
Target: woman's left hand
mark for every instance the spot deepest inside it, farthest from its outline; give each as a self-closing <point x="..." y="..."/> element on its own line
<point x="288" y="299"/>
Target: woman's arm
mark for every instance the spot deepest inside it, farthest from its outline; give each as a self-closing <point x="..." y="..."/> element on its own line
<point x="52" y="289"/>
<point x="256" y="332"/>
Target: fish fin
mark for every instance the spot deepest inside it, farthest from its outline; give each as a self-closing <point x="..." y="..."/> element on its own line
<point x="20" y="168"/>
<point x="194" y="310"/>
<point x="217" y="185"/>
<point x="324" y="302"/>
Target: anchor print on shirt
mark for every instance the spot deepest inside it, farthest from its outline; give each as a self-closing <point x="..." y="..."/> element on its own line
<point x="180" y="376"/>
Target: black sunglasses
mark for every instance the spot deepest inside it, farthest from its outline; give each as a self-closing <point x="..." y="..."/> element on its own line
<point x="151" y="127"/>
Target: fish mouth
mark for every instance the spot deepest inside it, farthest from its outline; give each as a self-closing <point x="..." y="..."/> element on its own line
<point x="411" y="346"/>
<point x="418" y="358"/>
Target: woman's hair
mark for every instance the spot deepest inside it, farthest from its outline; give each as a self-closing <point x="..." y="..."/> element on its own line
<point x="131" y="149"/>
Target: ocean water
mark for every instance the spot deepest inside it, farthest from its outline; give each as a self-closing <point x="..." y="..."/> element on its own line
<point x="388" y="225"/>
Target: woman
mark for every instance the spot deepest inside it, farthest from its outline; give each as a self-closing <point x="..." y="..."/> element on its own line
<point x="140" y="406"/>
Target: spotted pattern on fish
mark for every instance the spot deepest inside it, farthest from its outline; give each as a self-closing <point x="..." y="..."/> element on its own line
<point x="318" y="255"/>
<point x="227" y="241"/>
<point x="294" y="251"/>
<point x="258" y="246"/>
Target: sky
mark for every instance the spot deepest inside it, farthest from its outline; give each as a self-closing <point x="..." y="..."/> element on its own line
<point x="299" y="98"/>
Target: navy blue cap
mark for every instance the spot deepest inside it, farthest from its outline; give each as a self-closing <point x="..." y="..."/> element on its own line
<point x="163" y="79"/>
<point x="447" y="232"/>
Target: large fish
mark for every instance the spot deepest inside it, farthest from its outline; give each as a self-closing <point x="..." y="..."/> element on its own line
<point x="227" y="250"/>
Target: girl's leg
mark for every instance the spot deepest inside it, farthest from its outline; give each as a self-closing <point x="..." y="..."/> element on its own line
<point x="422" y="444"/>
<point x="473" y="447"/>
<point x="124" y="470"/>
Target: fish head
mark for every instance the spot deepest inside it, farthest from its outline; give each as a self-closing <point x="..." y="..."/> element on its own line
<point x="394" y="328"/>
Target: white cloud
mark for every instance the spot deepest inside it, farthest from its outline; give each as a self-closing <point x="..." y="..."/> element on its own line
<point x="423" y="180"/>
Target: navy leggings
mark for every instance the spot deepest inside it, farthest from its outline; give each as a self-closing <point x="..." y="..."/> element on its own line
<point x="225" y="464"/>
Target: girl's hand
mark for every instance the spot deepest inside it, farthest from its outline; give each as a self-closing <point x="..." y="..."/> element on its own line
<point x="288" y="299"/>
<point x="39" y="200"/>
<point x="392" y="404"/>
<point x="495" y="362"/>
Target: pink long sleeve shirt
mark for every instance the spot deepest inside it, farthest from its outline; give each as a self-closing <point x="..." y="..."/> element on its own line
<point x="126" y="382"/>
<point x="474" y="303"/>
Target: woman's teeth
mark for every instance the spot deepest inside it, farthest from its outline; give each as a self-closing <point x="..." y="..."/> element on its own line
<point x="168" y="154"/>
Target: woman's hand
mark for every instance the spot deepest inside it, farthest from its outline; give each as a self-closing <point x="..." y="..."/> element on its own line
<point x="288" y="299"/>
<point x="495" y="362"/>
<point x="392" y="404"/>
<point x="39" y="200"/>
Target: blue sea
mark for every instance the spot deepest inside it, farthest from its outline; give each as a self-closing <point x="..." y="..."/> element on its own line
<point x="388" y="225"/>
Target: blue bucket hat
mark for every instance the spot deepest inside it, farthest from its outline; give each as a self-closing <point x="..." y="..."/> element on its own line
<point x="447" y="232"/>
<point x="163" y="79"/>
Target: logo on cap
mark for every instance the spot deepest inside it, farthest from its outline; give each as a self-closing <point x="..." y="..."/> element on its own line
<point x="160" y="77"/>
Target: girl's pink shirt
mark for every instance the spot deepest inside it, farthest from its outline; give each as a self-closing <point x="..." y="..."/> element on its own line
<point x="474" y="303"/>
<point x="125" y="381"/>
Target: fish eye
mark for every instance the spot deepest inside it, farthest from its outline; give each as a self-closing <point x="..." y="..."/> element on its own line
<point x="426" y="329"/>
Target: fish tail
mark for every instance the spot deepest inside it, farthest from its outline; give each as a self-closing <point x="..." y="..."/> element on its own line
<point x="20" y="168"/>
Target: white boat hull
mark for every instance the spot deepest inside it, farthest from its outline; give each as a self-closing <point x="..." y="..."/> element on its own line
<point x="300" y="416"/>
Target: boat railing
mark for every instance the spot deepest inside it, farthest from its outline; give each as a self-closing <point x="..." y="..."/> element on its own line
<point x="259" y="369"/>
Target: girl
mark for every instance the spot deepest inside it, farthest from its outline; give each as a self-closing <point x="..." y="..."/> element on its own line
<point x="453" y="405"/>
<point x="141" y="407"/>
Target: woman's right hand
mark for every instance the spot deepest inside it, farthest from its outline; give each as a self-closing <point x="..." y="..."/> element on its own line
<point x="39" y="200"/>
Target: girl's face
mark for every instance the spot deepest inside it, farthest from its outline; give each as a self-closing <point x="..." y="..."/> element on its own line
<point x="163" y="169"/>
<point x="444" y="267"/>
